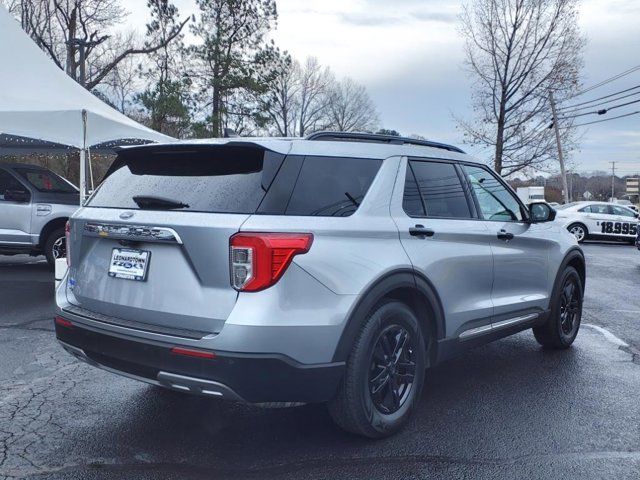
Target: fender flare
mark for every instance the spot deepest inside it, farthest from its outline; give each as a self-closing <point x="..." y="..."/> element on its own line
<point x="382" y="287"/>
<point x="574" y="254"/>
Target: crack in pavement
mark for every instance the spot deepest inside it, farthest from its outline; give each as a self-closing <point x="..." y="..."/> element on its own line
<point x="26" y="325"/>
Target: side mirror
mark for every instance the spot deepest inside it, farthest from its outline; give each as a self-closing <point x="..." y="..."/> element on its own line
<point x="18" y="196"/>
<point x="541" y="212"/>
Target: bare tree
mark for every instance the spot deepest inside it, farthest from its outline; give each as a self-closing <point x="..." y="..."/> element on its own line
<point x="517" y="50"/>
<point x="351" y="109"/>
<point x="281" y="103"/>
<point x="315" y="85"/>
<point x="121" y="85"/>
<point x="60" y="26"/>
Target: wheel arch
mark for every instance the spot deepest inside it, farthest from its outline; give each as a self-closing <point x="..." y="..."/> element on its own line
<point x="49" y="227"/>
<point x="408" y="287"/>
<point x="574" y="258"/>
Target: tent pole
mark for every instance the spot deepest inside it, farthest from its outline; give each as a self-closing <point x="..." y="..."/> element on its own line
<point x="83" y="160"/>
<point x="83" y="177"/>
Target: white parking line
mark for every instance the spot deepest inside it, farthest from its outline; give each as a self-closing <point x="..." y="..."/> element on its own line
<point x="607" y="334"/>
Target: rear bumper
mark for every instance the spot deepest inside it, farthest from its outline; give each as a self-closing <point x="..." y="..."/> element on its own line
<point x="252" y="378"/>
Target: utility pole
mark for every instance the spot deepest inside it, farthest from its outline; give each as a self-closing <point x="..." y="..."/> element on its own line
<point x="556" y="127"/>
<point x="613" y="180"/>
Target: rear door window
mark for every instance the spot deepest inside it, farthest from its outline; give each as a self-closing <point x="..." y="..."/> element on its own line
<point x="601" y="209"/>
<point x="332" y="186"/>
<point x="434" y="189"/>
<point x="45" y="181"/>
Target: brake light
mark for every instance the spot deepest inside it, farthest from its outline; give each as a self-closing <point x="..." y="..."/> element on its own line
<point x="258" y="260"/>
<point x="67" y="241"/>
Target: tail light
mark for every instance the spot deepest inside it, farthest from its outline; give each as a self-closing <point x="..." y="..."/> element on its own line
<point x="67" y="236"/>
<point x="258" y="260"/>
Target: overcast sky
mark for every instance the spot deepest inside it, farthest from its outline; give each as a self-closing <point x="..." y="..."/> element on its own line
<point x="409" y="55"/>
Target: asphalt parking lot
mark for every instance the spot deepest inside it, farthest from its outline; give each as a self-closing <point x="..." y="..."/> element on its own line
<point x="507" y="410"/>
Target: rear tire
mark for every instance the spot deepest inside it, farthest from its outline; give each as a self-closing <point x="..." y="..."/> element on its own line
<point x="579" y="231"/>
<point x="384" y="374"/>
<point x="55" y="246"/>
<point x="563" y="324"/>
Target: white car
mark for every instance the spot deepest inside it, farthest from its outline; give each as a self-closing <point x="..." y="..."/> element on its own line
<point x="599" y="220"/>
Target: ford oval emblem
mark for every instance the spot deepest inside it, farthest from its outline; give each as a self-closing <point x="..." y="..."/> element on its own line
<point x="126" y="215"/>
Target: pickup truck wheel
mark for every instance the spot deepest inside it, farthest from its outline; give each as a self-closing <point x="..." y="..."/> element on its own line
<point x="55" y="246"/>
<point x="384" y="375"/>
<point x="566" y="313"/>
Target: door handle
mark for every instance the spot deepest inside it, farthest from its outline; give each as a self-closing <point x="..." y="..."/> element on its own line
<point x="504" y="235"/>
<point x="421" y="231"/>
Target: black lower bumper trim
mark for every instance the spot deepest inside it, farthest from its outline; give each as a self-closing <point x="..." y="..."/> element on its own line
<point x="255" y="378"/>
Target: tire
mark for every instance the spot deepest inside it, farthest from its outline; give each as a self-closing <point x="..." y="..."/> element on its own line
<point x="563" y="324"/>
<point x="365" y="403"/>
<point x="52" y="246"/>
<point x="574" y="228"/>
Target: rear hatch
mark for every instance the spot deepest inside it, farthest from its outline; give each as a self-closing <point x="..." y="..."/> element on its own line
<point x="152" y="245"/>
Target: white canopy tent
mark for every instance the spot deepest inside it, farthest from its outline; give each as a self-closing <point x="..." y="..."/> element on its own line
<point x="41" y="108"/>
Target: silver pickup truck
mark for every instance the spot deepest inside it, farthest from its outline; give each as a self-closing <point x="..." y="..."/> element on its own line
<point x="35" y="204"/>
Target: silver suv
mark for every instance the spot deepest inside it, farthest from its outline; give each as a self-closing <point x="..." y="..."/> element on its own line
<point x="35" y="205"/>
<point x="332" y="269"/>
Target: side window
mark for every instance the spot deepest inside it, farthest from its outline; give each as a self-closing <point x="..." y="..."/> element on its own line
<point x="433" y="189"/>
<point x="623" y="212"/>
<point x="601" y="209"/>
<point x="411" y="201"/>
<point x="586" y="209"/>
<point x="495" y="201"/>
<point x="7" y="182"/>
<point x="332" y="186"/>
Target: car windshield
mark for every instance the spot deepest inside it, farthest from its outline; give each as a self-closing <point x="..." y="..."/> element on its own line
<point x="46" y="181"/>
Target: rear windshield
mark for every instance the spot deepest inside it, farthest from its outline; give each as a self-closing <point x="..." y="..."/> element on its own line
<point x="243" y="180"/>
<point x="46" y="181"/>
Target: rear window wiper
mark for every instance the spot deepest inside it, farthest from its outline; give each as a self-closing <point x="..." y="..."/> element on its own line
<point x="158" y="203"/>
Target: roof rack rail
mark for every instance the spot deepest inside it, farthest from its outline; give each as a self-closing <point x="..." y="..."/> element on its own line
<point x="379" y="138"/>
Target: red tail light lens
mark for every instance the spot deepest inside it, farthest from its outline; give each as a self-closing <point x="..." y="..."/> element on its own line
<point x="67" y="235"/>
<point x="192" y="352"/>
<point x="258" y="260"/>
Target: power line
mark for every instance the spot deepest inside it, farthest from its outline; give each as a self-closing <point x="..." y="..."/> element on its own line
<point x="600" y="98"/>
<point x="600" y="112"/>
<point x="608" y="119"/>
<point x="608" y="80"/>
<point x="601" y="103"/>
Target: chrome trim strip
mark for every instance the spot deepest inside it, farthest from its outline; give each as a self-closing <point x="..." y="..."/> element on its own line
<point x="132" y="232"/>
<point x="474" y="332"/>
<point x="197" y="385"/>
<point x="513" y="321"/>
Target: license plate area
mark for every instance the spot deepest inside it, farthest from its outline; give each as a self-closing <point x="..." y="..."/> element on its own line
<point x="129" y="264"/>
